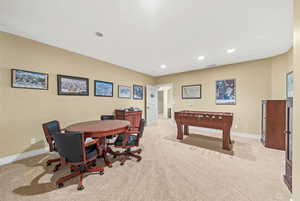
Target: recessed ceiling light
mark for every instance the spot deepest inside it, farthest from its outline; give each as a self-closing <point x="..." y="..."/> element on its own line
<point x="229" y="51"/>
<point x="201" y="58"/>
<point x="99" y="34"/>
<point x="163" y="66"/>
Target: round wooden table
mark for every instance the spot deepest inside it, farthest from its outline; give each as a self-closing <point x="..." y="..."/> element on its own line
<point x="100" y="129"/>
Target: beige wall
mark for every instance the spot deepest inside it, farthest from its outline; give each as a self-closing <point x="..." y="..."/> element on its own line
<point x="24" y="110"/>
<point x="296" y="136"/>
<point x="256" y="81"/>
<point x="281" y="65"/>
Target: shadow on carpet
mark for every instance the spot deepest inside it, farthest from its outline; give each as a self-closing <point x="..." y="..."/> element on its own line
<point x="240" y="150"/>
<point x="37" y="186"/>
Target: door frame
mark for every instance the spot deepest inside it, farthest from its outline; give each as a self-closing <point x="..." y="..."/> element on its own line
<point x="171" y="85"/>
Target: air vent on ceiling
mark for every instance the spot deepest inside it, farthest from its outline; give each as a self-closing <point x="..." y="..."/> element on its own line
<point x="99" y="34"/>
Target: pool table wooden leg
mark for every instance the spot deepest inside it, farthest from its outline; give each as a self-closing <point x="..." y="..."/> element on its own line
<point x="186" y="130"/>
<point x="179" y="132"/>
<point x="226" y="139"/>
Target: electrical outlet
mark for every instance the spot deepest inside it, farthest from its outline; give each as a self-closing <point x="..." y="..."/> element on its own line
<point x="32" y="141"/>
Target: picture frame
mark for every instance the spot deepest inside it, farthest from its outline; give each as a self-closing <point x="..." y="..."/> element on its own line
<point x="103" y="88"/>
<point x="290" y="85"/>
<point x="72" y="86"/>
<point x="124" y="91"/>
<point x="226" y="92"/>
<point x="138" y="92"/>
<point x="191" y="91"/>
<point x="29" y="79"/>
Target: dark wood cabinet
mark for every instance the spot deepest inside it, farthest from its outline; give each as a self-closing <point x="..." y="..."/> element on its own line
<point x="134" y="117"/>
<point x="289" y="143"/>
<point x="273" y="124"/>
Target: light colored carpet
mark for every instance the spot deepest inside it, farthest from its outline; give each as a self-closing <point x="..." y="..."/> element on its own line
<point x="193" y="170"/>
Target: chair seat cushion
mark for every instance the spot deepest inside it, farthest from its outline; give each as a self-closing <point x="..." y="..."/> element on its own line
<point x="91" y="151"/>
<point x="132" y="140"/>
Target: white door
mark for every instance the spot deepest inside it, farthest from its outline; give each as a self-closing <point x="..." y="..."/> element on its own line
<point x="151" y="104"/>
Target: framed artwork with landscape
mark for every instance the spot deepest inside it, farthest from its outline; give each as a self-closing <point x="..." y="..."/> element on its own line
<point x="138" y="92"/>
<point x="290" y="85"/>
<point x="191" y="91"/>
<point x="72" y="86"/>
<point x="124" y="91"/>
<point x="103" y="89"/>
<point x="29" y="80"/>
<point x="226" y="92"/>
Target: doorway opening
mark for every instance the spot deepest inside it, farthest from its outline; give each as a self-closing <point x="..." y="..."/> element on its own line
<point x="159" y="102"/>
<point x="165" y="101"/>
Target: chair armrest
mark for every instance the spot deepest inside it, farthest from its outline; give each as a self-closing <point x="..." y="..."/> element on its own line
<point x="132" y="132"/>
<point x="94" y="141"/>
<point x="125" y="139"/>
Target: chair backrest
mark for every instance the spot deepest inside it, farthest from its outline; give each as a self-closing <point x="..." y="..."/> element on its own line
<point x="141" y="128"/>
<point x="70" y="146"/>
<point x="107" y="117"/>
<point x="50" y="128"/>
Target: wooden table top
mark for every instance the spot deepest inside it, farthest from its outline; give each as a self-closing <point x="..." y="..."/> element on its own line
<point x="99" y="128"/>
<point x="205" y="113"/>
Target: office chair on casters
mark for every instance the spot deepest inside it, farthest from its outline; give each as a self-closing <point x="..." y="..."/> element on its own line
<point x="129" y="140"/>
<point x="79" y="156"/>
<point x="54" y="127"/>
<point x="107" y="117"/>
<point x="49" y="129"/>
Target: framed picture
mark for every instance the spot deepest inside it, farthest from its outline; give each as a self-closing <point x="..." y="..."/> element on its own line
<point x="124" y="91"/>
<point x="72" y="86"/>
<point x="138" y="92"/>
<point x="29" y="80"/>
<point x="191" y="91"/>
<point x="103" y="89"/>
<point x="225" y="92"/>
<point x="290" y="85"/>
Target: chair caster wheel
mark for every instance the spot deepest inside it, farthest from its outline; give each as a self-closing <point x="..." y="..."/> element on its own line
<point x="121" y="163"/>
<point x="101" y="172"/>
<point x="72" y="170"/>
<point x="114" y="156"/>
<point x="48" y="164"/>
<point x="138" y="160"/>
<point x="60" y="185"/>
<point x="139" y="152"/>
<point x="80" y="188"/>
<point x="55" y="169"/>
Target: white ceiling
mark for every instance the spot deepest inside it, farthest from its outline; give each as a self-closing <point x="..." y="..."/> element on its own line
<point x="144" y="34"/>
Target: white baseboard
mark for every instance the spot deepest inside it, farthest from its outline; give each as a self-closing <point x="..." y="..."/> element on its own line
<point x="246" y="135"/>
<point x="20" y="156"/>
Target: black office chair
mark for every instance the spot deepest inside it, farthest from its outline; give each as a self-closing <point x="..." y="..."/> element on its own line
<point x="49" y="129"/>
<point x="108" y="117"/>
<point x="129" y="140"/>
<point x="75" y="153"/>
